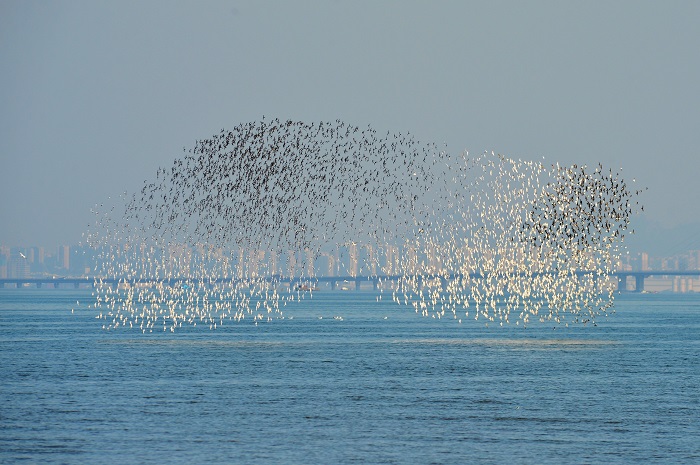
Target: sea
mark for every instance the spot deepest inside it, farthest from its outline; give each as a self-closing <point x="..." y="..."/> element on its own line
<point x="349" y="379"/>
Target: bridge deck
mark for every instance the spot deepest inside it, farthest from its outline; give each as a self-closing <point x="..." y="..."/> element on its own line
<point x="334" y="281"/>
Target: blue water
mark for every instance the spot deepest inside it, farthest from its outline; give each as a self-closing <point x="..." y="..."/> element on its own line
<point x="404" y="389"/>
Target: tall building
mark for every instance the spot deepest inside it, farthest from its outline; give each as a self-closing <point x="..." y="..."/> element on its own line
<point x="64" y="257"/>
<point x="372" y="260"/>
<point x="645" y="261"/>
<point x="309" y="262"/>
<point x="256" y="261"/>
<point x="3" y="266"/>
<point x="411" y="260"/>
<point x="272" y="262"/>
<point x="18" y="267"/>
<point x="352" y="250"/>
<point x="326" y="264"/>
<point x="4" y="259"/>
<point x="291" y="263"/>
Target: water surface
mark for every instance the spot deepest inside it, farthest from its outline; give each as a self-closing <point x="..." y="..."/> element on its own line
<point x="380" y="385"/>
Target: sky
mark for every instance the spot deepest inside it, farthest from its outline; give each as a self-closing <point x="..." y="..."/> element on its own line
<point x="96" y="95"/>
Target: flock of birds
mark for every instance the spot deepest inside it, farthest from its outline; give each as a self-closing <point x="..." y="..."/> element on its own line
<point x="487" y="237"/>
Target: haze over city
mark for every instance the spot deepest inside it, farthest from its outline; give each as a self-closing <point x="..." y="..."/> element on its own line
<point x="96" y="97"/>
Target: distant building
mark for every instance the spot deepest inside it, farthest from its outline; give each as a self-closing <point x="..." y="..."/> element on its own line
<point x="273" y="262"/>
<point x="3" y="266"/>
<point x="291" y="263"/>
<point x="325" y="264"/>
<point x="309" y="263"/>
<point x="645" y="261"/>
<point x="354" y="259"/>
<point x="18" y="267"/>
<point x="64" y="257"/>
<point x="38" y="255"/>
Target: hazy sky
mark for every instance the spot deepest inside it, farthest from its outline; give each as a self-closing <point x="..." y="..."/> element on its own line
<point x="95" y="96"/>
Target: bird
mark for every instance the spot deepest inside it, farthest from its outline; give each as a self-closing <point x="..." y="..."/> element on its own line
<point x="483" y="235"/>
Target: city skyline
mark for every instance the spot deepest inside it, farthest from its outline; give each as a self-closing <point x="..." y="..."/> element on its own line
<point x="300" y="270"/>
<point x="343" y="260"/>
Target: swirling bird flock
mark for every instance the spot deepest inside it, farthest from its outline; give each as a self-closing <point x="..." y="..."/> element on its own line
<point x="224" y="233"/>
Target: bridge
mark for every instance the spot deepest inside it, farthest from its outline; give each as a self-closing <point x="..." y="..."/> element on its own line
<point x="299" y="282"/>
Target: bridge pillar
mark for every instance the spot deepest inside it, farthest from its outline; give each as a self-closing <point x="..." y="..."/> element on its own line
<point x="443" y="282"/>
<point x="419" y="281"/>
<point x="333" y="284"/>
<point x="639" y="283"/>
<point x="19" y="284"/>
<point x="375" y="283"/>
<point x="622" y="283"/>
<point x="357" y="283"/>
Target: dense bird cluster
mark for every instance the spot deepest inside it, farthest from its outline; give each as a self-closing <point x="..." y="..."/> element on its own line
<point x="210" y="239"/>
